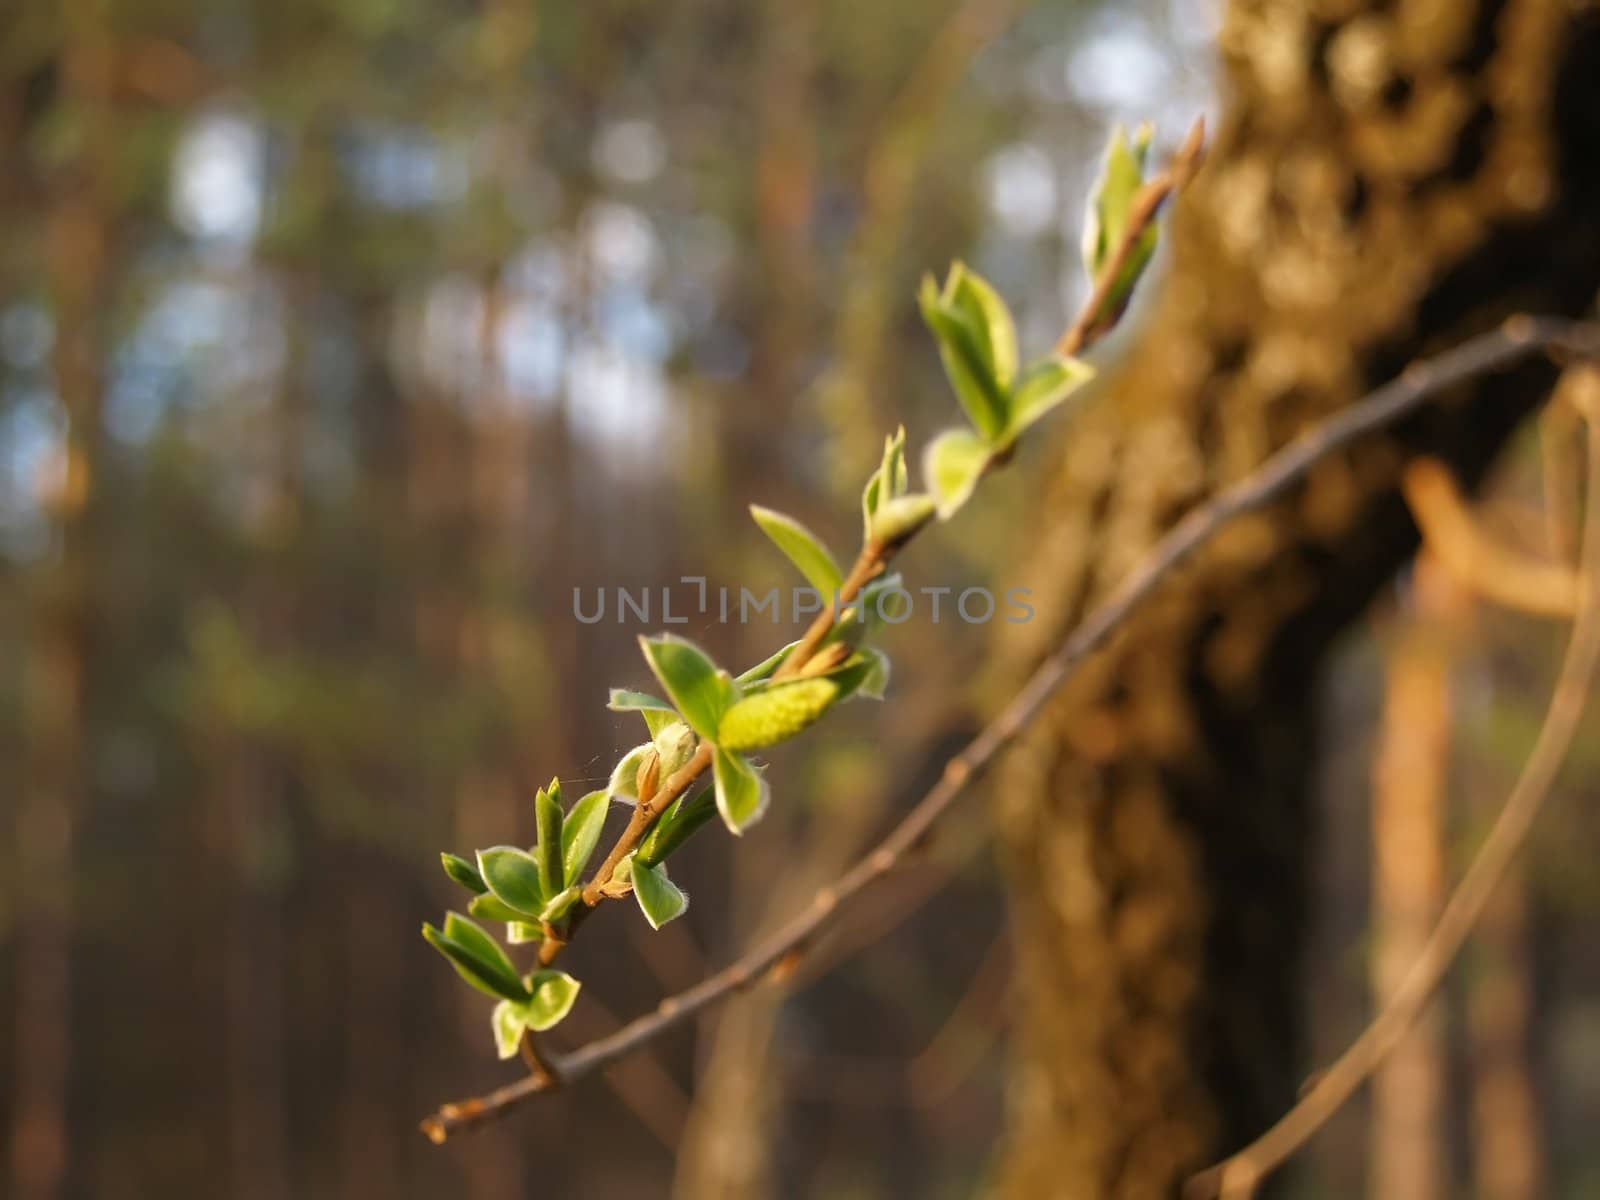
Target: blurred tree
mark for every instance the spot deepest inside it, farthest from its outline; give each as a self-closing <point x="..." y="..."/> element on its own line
<point x="1410" y="783"/>
<point x="77" y="267"/>
<point x="1388" y="178"/>
<point x="340" y="341"/>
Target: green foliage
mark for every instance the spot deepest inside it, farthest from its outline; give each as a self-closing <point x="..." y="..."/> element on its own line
<point x="491" y="908"/>
<point x="656" y="712"/>
<point x="1110" y="199"/>
<point x="875" y="679"/>
<point x="1042" y="389"/>
<point x="464" y="873"/>
<point x="659" y="898"/>
<point x="580" y="833"/>
<point x="685" y="815"/>
<point x="554" y="993"/>
<point x="952" y="464"/>
<point x="508" y="1020"/>
<point x="699" y="691"/>
<point x="742" y="794"/>
<point x="548" y="998"/>
<point x="956" y="315"/>
<point x="477" y="957"/>
<point x="765" y="667"/>
<point x="803" y="548"/>
<point x="889" y="481"/>
<point x="897" y="519"/>
<point x="514" y="879"/>
<point x="861" y="619"/>
<point x="557" y="907"/>
<point x="890" y="516"/>
<point x="548" y="815"/>
<point x="988" y="316"/>
<point x="977" y="343"/>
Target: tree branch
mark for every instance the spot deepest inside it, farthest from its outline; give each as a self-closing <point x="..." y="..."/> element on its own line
<point x="1515" y="340"/>
<point x="1088" y="326"/>
<point x="1237" y="1178"/>
<point x="1483" y="566"/>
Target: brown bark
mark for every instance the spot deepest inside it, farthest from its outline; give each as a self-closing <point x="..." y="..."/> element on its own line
<point x="1387" y="179"/>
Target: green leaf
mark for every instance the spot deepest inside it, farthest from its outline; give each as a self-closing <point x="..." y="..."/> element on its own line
<point x="508" y="1021"/>
<point x="675" y="826"/>
<point x="659" y="898"/>
<point x="554" y="993"/>
<point x="898" y="519"/>
<point x="697" y="688"/>
<point x="961" y="347"/>
<point x="864" y="614"/>
<point x="776" y="713"/>
<point x="560" y="904"/>
<point x="656" y="712"/>
<point x="893" y="466"/>
<point x="887" y="482"/>
<point x="952" y="466"/>
<point x="471" y="935"/>
<point x="876" y="682"/>
<point x="742" y="794"/>
<point x="766" y="666"/>
<point x="871" y="608"/>
<point x="1111" y="200"/>
<point x="580" y="833"/>
<point x="547" y="817"/>
<point x="488" y="908"/>
<point x="623" y="871"/>
<point x="464" y="873"/>
<point x="802" y="548"/>
<point x="513" y="879"/>
<point x="1121" y="176"/>
<point x="476" y="956"/>
<point x="1042" y="389"/>
<point x="521" y="933"/>
<point x="625" y="775"/>
<point x="987" y="313"/>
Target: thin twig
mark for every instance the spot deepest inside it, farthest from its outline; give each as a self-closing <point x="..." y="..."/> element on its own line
<point x="535" y="1059"/>
<point x="1517" y="339"/>
<point x="873" y="558"/>
<point x="1237" y="1178"/>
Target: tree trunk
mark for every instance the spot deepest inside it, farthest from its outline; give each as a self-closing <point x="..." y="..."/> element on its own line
<point x="1389" y="178"/>
<point x="50" y="803"/>
<point x="1409" y="1121"/>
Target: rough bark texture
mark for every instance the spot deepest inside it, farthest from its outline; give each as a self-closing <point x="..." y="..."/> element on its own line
<point x="1389" y="178"/>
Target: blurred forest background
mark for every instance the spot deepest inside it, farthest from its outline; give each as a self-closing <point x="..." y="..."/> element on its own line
<point x="342" y="340"/>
